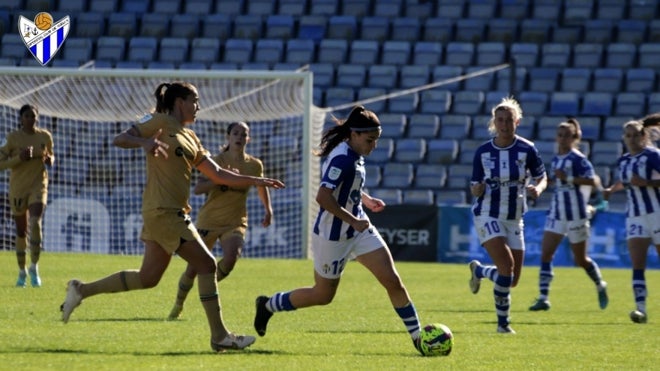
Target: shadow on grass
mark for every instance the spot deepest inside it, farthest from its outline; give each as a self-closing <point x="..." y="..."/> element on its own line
<point x="138" y="353"/>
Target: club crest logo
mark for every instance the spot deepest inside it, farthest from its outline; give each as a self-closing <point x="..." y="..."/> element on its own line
<point x="44" y="36"/>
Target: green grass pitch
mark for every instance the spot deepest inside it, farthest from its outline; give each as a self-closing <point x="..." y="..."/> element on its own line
<point x="358" y="331"/>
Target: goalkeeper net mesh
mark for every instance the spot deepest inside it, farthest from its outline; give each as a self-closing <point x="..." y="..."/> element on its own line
<point x="95" y="189"/>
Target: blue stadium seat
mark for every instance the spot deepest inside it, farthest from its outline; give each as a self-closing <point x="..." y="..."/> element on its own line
<point x="482" y="82"/>
<point x="312" y="27"/>
<point x="470" y="30"/>
<point x="109" y="48"/>
<point x="525" y="54"/>
<point x="451" y="197"/>
<point x="247" y="26"/>
<point x="455" y="127"/>
<point x="608" y="80"/>
<point x="502" y="30"/>
<point x="122" y="24"/>
<point x="205" y="50"/>
<point x="351" y="75"/>
<point x="217" y="25"/>
<point x="342" y="27"/>
<point x="576" y="80"/>
<point x="185" y="25"/>
<point x="396" y="52"/>
<point x="409" y="150"/>
<point x="383" y="151"/>
<point x="159" y="65"/>
<point x="375" y="28"/>
<point x="324" y="74"/>
<point x="547" y="149"/>
<point x="490" y="53"/>
<point x="423" y="126"/>
<point x="654" y="31"/>
<point x="468" y="149"/>
<point x="566" y="34"/>
<point x="70" y="6"/>
<point x="630" y="104"/>
<point x="104" y="6"/>
<point x="613" y="128"/>
<point x="577" y="12"/>
<point x="387" y="8"/>
<point x="598" y="31"/>
<point x="419" y="9"/>
<point x="398" y="175"/>
<point x="332" y="51"/>
<point x="591" y="128"/>
<point x="166" y="7"/>
<point x="406" y="29"/>
<point x="427" y="53"/>
<point x="544" y="79"/>
<point x="193" y="66"/>
<point x="640" y="80"/>
<point x="318" y="95"/>
<point x="418" y="197"/>
<point x="336" y="96"/>
<point x="438" y="30"/>
<point x="610" y="9"/>
<point x="436" y="101"/>
<point x="653" y="101"/>
<point x="269" y="51"/>
<point x="480" y="129"/>
<point x="365" y="52"/>
<point x="514" y="9"/>
<point x="503" y="80"/>
<point x="280" y="26"/>
<point x="547" y="129"/>
<point x="493" y="98"/>
<point x="383" y="76"/>
<point x="292" y="7"/>
<point x="357" y="8"/>
<point x="535" y="103"/>
<point x="641" y="9"/>
<point x="135" y="6"/>
<point x="299" y="51"/>
<point x="224" y="66"/>
<point x="173" y="50"/>
<point x="459" y="176"/>
<point x="404" y="103"/>
<point x="546" y="9"/>
<point x="606" y="152"/>
<point x="324" y="7"/>
<point x="451" y="9"/>
<point x="468" y="102"/>
<point x="555" y="55"/>
<point x="459" y="54"/>
<point x="238" y="51"/>
<point x="155" y="24"/>
<point x="649" y="55"/>
<point x="535" y="30"/>
<point x="373" y="175"/>
<point x="414" y="75"/>
<point x="198" y="7"/>
<point x="631" y="31"/>
<point x="482" y="9"/>
<point x="621" y="55"/>
<point x="90" y="24"/>
<point x="142" y="49"/>
<point x="391" y="196"/>
<point x="588" y="55"/>
<point x="564" y="103"/>
<point x="430" y="176"/>
<point x="78" y="49"/>
<point x="127" y="64"/>
<point x="442" y="151"/>
<point x="393" y="125"/>
<point x="260" y="7"/>
<point x="443" y="73"/>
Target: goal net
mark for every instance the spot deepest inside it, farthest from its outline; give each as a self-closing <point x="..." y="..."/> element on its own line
<point x="95" y="190"/>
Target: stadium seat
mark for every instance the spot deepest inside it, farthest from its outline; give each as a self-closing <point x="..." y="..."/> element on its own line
<point x="155" y="24"/>
<point x="142" y="49"/>
<point x="260" y="7"/>
<point x="606" y="152"/>
<point x="104" y="6"/>
<point x="525" y="54"/>
<point x="280" y="26"/>
<point x="357" y="8"/>
<point x="205" y="50"/>
<point x="383" y="76"/>
<point x="351" y="75"/>
<point x="564" y="103"/>
<point x="185" y="25"/>
<point x="514" y="9"/>
<point x="78" y="49"/>
<point x="492" y="99"/>
<point x="490" y="53"/>
<point x="598" y="31"/>
<point x="393" y="125"/>
<point x="299" y="51"/>
<point x="436" y="101"/>
<point x="90" y="24"/>
<point x="324" y="74"/>
<point x="482" y="9"/>
<point x="383" y="151"/>
<point x="535" y="103"/>
<point x="403" y="103"/>
<point x="406" y="29"/>
<point x="588" y="55"/>
<point x="452" y="9"/>
<point x="373" y="175"/>
<point x="480" y="129"/>
<point x="503" y="30"/>
<point x="395" y="52"/>
<point x="198" y="7"/>
<point x="459" y="54"/>
<point x="544" y="79"/>
<point x="455" y="126"/>
<point x="604" y="173"/>
<point x="535" y="30"/>
<point x="613" y="128"/>
<point x="547" y="128"/>
<point x="577" y="12"/>
<point x="451" y="197"/>
<point x="621" y="55"/>
<point x="566" y="34"/>
<point x="391" y="196"/>
<point x="555" y="55"/>
<point x="423" y="126"/>
<point x="640" y="9"/>
<point x="482" y="82"/>
<point x="470" y="30"/>
<point x="217" y="25"/>
<point x="442" y="151"/>
<point x="640" y="80"/>
<point x="388" y="8"/>
<point x="590" y="127"/>
<point x="427" y="53"/>
<point x="138" y="7"/>
<point x="608" y="80"/>
<point x="547" y="149"/>
<point x="312" y="27"/>
<point x="610" y="9"/>
<point x="468" y="102"/>
<point x="269" y="51"/>
<point x="649" y="55"/>
<point x="375" y="28"/>
<point x="459" y="176"/>
<point x="410" y="150"/>
<point x="418" y="197"/>
<point x="109" y="48"/>
<point x="430" y="176"/>
<point x="576" y="80"/>
<point x="166" y="7"/>
<point x="654" y="31"/>
<point x="468" y="149"/>
<point x="342" y="27"/>
<point x="439" y="30"/>
<point x="122" y="24"/>
<point x="503" y="80"/>
<point x="332" y="51"/>
<point x="247" y="26"/>
<point x="365" y="52"/>
<point x="238" y="51"/>
<point x="71" y="6"/>
<point x="173" y="50"/>
<point x="292" y="7"/>
<point x="324" y="7"/>
<point x="419" y="9"/>
<point x="414" y="75"/>
<point x="336" y="96"/>
<point x="631" y="31"/>
<point x="630" y="104"/>
<point x="443" y="73"/>
<point x="398" y="175"/>
<point x="194" y="66"/>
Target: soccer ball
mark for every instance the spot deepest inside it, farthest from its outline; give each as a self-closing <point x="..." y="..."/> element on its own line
<point x="436" y="339"/>
<point x="43" y="21"/>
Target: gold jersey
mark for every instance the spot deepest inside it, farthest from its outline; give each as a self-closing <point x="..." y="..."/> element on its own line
<point x="168" y="179"/>
<point x="226" y="205"/>
<point x="28" y="174"/>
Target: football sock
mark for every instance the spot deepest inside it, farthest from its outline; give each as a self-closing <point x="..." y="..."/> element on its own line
<point x="502" y="294"/>
<point x="35" y="238"/>
<point x="594" y="273"/>
<point x="222" y="272"/>
<point x="545" y="278"/>
<point x="280" y="302"/>
<point x="185" y="284"/>
<point x="21" y="246"/>
<point x="639" y="289"/>
<point x="408" y="315"/>
<point x="486" y="271"/>
<point x="208" y="295"/>
<point x="116" y="282"/>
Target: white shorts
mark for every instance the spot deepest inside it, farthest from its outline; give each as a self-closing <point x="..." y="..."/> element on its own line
<point x="330" y="257"/>
<point x="644" y="226"/>
<point x="576" y="230"/>
<point x="489" y="228"/>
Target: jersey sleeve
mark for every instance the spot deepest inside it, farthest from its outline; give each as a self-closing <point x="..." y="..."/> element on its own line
<point x="477" y="168"/>
<point x="336" y="171"/>
<point x="535" y="163"/>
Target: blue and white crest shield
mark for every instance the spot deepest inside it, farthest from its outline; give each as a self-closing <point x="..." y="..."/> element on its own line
<point x="43" y="44"/>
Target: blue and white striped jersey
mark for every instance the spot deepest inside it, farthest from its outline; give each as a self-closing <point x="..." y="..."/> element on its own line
<point x="646" y="164"/>
<point x="505" y="172"/>
<point x="569" y="201"/>
<point x="343" y="172"/>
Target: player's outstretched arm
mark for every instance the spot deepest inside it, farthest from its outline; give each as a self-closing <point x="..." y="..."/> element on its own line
<point x="218" y="175"/>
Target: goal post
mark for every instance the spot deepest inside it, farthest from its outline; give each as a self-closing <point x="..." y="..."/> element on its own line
<point x="95" y="188"/>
